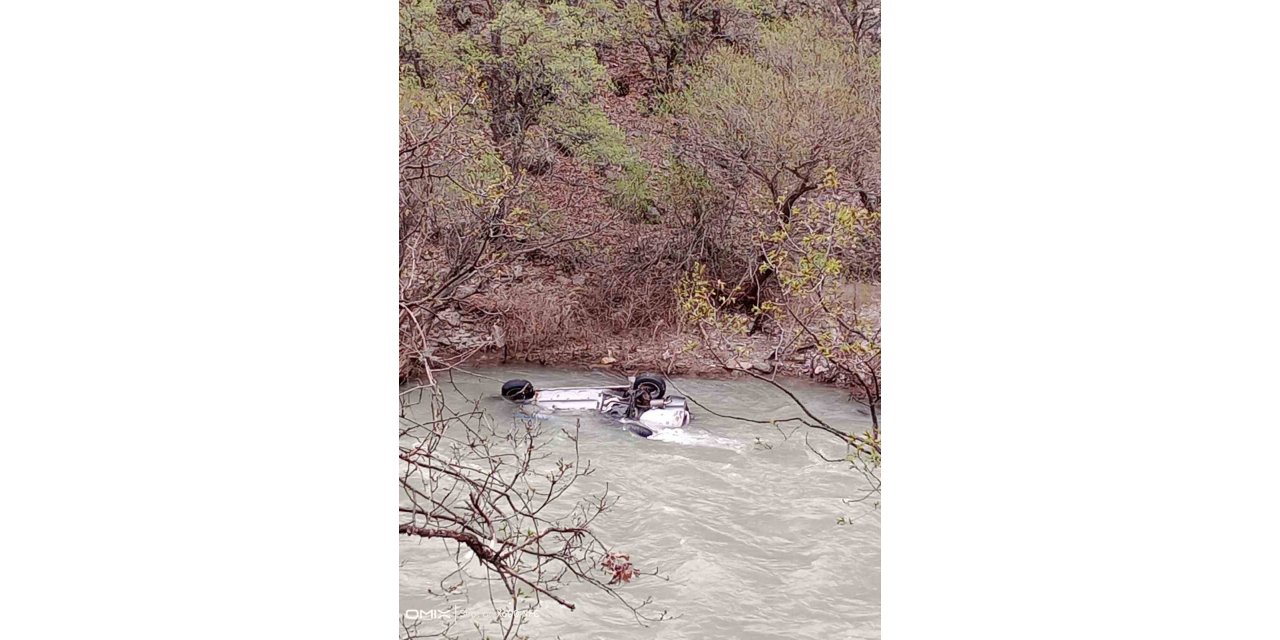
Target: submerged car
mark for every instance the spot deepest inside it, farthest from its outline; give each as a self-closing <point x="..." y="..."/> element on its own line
<point x="643" y="404"/>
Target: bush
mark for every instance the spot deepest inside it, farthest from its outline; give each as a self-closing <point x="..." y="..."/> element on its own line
<point x="799" y="104"/>
<point x="630" y="193"/>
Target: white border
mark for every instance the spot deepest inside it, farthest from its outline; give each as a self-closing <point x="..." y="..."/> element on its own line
<point x="1080" y="320"/>
<point x="199" y="259"/>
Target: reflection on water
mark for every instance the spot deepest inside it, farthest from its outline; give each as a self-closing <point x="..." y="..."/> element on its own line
<point x="741" y="520"/>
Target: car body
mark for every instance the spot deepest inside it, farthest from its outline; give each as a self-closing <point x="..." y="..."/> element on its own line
<point x="642" y="404"/>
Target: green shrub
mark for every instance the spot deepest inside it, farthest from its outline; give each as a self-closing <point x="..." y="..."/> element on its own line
<point x="631" y="194"/>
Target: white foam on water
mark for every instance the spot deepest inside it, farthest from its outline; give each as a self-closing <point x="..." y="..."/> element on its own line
<point x="697" y="438"/>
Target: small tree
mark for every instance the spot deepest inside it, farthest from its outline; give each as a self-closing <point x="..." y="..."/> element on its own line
<point x="802" y="104"/>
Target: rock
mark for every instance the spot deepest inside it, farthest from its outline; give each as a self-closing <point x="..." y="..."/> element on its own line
<point x="762" y="367"/>
<point x="608" y="360"/>
<point x="465" y="291"/>
<point x="819" y="365"/>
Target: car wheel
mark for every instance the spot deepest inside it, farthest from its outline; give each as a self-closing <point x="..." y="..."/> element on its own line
<point x="652" y="384"/>
<point x="640" y="430"/>
<point x="517" y="390"/>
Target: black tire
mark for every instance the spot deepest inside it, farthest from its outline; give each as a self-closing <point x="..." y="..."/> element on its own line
<point x="517" y="390"/>
<point x="640" y="430"/>
<point x="654" y="384"/>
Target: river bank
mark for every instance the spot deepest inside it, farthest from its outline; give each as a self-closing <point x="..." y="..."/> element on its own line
<point x="538" y="319"/>
<point x="627" y="355"/>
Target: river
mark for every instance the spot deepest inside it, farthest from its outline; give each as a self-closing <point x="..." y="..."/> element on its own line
<point x="743" y="522"/>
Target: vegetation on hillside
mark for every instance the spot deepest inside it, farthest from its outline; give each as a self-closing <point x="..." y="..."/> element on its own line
<point x="565" y="165"/>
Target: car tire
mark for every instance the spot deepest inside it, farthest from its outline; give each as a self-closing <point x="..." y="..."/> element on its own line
<point x="640" y="430"/>
<point x="517" y="390"/>
<point x="654" y="384"/>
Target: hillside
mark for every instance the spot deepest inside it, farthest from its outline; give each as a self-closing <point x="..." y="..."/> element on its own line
<point x="687" y="187"/>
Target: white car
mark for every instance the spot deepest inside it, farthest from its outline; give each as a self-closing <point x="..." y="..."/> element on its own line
<point x="643" y="405"/>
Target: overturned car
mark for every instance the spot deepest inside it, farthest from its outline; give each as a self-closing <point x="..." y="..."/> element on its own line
<point x="643" y="405"/>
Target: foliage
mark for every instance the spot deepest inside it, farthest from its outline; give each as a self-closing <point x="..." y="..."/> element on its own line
<point x="778" y="117"/>
<point x="540" y="68"/>
<point x="704" y="213"/>
<point x="429" y="54"/>
<point x="631" y="194"/>
<point x="537" y="65"/>
<point x="675" y="34"/>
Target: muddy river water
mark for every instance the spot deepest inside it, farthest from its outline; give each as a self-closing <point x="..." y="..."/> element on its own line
<point x="744" y="524"/>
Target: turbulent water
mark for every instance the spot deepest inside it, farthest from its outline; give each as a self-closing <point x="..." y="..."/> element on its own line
<point x="742" y="522"/>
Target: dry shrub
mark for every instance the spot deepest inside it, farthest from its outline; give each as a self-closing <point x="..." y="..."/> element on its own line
<point x="632" y="289"/>
<point x="536" y="320"/>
